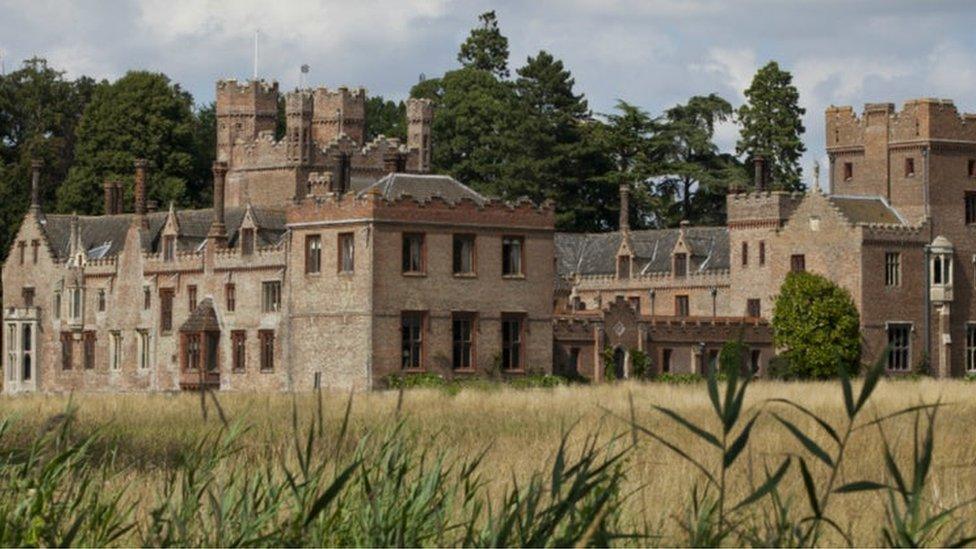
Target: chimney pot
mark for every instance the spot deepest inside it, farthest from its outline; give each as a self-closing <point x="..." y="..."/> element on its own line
<point x="36" y="165"/>
<point x="624" y="207"/>
<point x="140" y="190"/>
<point x="759" y="163"/>
<point x="110" y="191"/>
<point x="217" y="229"/>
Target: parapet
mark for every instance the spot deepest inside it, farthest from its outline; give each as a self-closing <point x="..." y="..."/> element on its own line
<point x="766" y="207"/>
<point x="420" y="110"/>
<point x="250" y="97"/>
<point x="918" y="120"/>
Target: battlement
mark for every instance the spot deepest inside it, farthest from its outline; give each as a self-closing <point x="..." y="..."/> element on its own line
<point x="250" y="97"/>
<point x="918" y="120"/>
<point x="771" y="206"/>
<point x="298" y="102"/>
<point x="420" y="110"/>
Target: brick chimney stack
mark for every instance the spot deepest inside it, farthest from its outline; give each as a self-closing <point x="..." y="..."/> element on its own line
<point x="760" y="173"/>
<point x="218" y="230"/>
<point x="111" y="192"/>
<point x="140" y="191"/>
<point x="624" y="207"/>
<point x="36" y="165"/>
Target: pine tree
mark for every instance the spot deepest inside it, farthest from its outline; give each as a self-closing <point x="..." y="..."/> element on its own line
<point x="486" y="48"/>
<point x="772" y="124"/>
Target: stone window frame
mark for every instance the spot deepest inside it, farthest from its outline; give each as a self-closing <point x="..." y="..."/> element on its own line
<point x="166" y="297"/>
<point x="238" y="350"/>
<point x="899" y="338"/>
<point x="413" y="264"/>
<point x="745" y="254"/>
<point x="102" y="301"/>
<point x="89" y="338"/>
<point x="230" y="297"/>
<point x="169" y="248"/>
<point x="313" y="254"/>
<point x="892" y="269"/>
<point x="271" y="296"/>
<point x="971" y="347"/>
<point x="144" y="339"/>
<point x="146" y="298"/>
<point x="679" y="265"/>
<point x="910" y="166"/>
<point x="56" y="306"/>
<point x="28" y="293"/>
<point x="798" y="263"/>
<point x="67" y="350"/>
<point x="682" y="305"/>
<point x="35" y="245"/>
<point x="762" y="253"/>
<point x="753" y="307"/>
<point x="458" y="252"/>
<point x="468" y="347"/>
<point x="346" y="262"/>
<point x="247" y="241"/>
<point x="969" y="202"/>
<point x="513" y="266"/>
<point x="21" y="250"/>
<point x="191" y="297"/>
<point x="848" y="171"/>
<point x="115" y="350"/>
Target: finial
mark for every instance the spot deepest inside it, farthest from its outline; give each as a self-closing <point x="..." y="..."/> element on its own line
<point x="816" y="176"/>
<point x="36" y="165"/>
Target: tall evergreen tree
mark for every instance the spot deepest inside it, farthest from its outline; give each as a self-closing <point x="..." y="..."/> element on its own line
<point x="771" y="120"/>
<point x="691" y="176"/>
<point x="486" y="48"/>
<point x="141" y="115"/>
<point x="626" y="139"/>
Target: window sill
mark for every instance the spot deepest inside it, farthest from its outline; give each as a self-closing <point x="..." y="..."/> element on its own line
<point x="347" y="274"/>
<point x="238" y="371"/>
<point x="314" y="274"/>
<point x="420" y="370"/>
<point x="414" y="274"/>
<point x="471" y="370"/>
<point x="266" y="370"/>
<point x="465" y="275"/>
<point x="513" y="277"/>
<point x="515" y="371"/>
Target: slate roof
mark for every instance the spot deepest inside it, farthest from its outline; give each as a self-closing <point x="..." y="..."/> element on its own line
<point x="596" y="253"/>
<point x="866" y="209"/>
<point x="104" y="235"/>
<point x="421" y="187"/>
<point x="202" y="319"/>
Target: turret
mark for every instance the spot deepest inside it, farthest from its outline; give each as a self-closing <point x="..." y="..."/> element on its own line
<point x="298" y="121"/>
<point x="244" y="110"/>
<point x="337" y="112"/>
<point x="420" y="117"/>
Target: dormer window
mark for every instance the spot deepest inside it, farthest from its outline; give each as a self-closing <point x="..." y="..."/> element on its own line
<point x="623" y="267"/>
<point x="169" y="248"/>
<point x="680" y="267"/>
<point x="247" y="241"/>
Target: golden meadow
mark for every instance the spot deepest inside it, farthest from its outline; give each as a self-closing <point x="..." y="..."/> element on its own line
<point x="570" y="465"/>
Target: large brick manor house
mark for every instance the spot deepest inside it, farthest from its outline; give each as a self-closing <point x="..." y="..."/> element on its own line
<point x="330" y="262"/>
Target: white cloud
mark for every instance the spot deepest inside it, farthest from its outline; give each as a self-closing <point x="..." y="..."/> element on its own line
<point x="735" y="67"/>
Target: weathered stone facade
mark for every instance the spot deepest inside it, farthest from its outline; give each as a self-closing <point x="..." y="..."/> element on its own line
<point x="327" y="263"/>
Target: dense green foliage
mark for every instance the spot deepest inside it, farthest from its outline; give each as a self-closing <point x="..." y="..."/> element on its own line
<point x="141" y="115"/>
<point x="486" y="48"/>
<point x="772" y="124"/>
<point x="816" y="324"/>
<point x="387" y="118"/>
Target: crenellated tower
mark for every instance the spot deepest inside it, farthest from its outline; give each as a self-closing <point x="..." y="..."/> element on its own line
<point x="244" y="110"/>
<point x="337" y="112"/>
<point x="298" y="121"/>
<point x="420" y="117"/>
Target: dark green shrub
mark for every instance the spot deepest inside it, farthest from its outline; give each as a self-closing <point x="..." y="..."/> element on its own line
<point x="640" y="364"/>
<point x="817" y="324"/>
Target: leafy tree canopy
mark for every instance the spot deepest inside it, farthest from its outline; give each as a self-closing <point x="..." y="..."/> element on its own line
<point x="817" y="325"/>
<point x="385" y="118"/>
<point x="486" y="48"/>
<point x="141" y="115"/>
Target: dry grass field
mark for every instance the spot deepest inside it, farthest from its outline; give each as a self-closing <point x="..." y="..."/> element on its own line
<point x="521" y="430"/>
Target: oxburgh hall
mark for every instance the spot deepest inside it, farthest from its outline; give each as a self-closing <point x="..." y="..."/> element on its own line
<point x="327" y="261"/>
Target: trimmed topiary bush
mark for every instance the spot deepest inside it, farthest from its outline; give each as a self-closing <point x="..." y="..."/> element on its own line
<point x="817" y="325"/>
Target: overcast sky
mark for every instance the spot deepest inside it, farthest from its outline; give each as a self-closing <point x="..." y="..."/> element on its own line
<point x="654" y="53"/>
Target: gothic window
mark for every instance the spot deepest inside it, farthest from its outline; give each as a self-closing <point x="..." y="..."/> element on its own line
<point x="411" y="339"/>
<point x="762" y="252"/>
<point x="230" y="292"/>
<point x="899" y="346"/>
<point x="271" y="296"/>
<point x="512" y="255"/>
<point x="27" y="351"/>
<point x="146" y="299"/>
<point x="313" y="254"/>
<point x="745" y="254"/>
<point x="413" y="253"/>
<point x="347" y="252"/>
<point x="892" y="269"/>
<point x="191" y="351"/>
<point x="462" y="335"/>
<point x="463" y="254"/>
<point x="144" y="349"/>
<point x="909" y="167"/>
<point x="77" y="298"/>
<point x="101" y="300"/>
<point x="191" y="298"/>
<point x="753" y="308"/>
<point x="115" y="350"/>
<point x="512" y="334"/>
<point x="681" y="305"/>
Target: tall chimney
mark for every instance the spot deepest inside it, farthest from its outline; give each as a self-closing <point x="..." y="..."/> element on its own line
<point x="119" y="207"/>
<point x="36" y="165"/>
<point x="760" y="173"/>
<point x="111" y="201"/>
<point x="624" y="207"/>
<point x="218" y="231"/>
<point x="140" y="191"/>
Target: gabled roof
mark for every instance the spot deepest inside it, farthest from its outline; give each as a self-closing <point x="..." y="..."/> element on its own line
<point x="202" y="319"/>
<point x="104" y="235"/>
<point x="596" y="253"/>
<point x="421" y="187"/>
<point x="866" y="209"/>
